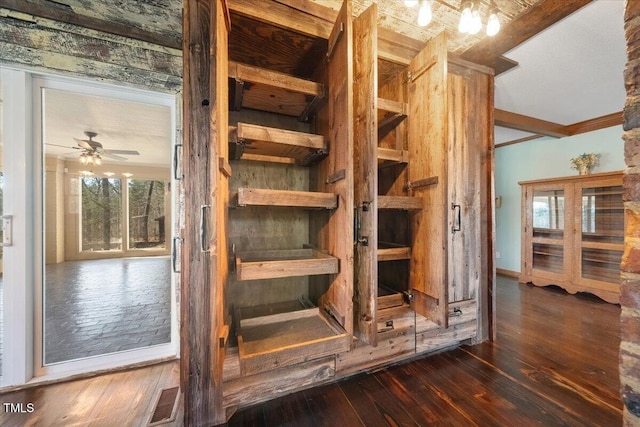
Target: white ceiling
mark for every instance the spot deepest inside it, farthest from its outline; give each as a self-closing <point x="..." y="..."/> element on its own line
<point x="121" y="125"/>
<point x="571" y="72"/>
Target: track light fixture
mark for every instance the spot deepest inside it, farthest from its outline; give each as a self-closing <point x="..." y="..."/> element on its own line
<point x="470" y="20"/>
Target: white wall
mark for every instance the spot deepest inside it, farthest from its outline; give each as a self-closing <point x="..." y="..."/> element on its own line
<point x="538" y="159"/>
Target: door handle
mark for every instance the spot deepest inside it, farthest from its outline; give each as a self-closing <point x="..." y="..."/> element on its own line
<point x="203" y="230"/>
<point x="175" y="163"/>
<point x="174" y="253"/>
<point x="457" y="223"/>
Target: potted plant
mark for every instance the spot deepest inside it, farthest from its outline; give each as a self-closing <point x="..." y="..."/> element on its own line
<point x="585" y="162"/>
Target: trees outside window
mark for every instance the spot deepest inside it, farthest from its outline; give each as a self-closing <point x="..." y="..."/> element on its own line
<point x="146" y="214"/>
<point x="101" y="214"/>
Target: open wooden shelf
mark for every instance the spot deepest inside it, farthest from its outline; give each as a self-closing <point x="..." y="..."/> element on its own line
<point x="304" y="148"/>
<point x="277" y="340"/>
<point x="390" y="114"/>
<point x="301" y="199"/>
<point x="266" y="90"/>
<point x="393" y="252"/>
<point x="255" y="265"/>
<point x="388" y="298"/>
<point x="400" y="202"/>
<point x="389" y="156"/>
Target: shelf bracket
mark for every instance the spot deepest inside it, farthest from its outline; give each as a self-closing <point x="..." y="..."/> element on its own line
<point x="237" y="91"/>
<point x="313" y="104"/>
<point x="335" y="177"/>
<point x="411" y="185"/>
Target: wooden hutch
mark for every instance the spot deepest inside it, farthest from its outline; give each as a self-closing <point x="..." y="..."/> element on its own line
<point x="338" y="201"/>
<point x="573" y="233"/>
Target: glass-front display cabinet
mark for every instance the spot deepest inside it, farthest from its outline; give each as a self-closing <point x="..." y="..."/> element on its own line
<point x="573" y="233"/>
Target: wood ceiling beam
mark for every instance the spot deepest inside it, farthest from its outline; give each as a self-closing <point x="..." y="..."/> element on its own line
<point x="535" y="19"/>
<point x="63" y="13"/>
<point x="585" y="126"/>
<point x="524" y="123"/>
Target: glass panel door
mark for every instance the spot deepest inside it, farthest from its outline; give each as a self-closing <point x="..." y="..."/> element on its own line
<point x="548" y="230"/>
<point x="602" y="233"/>
<point x="106" y="282"/>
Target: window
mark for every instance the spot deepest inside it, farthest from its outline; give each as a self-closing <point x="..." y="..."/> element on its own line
<point x="101" y="227"/>
<point x="146" y="214"/>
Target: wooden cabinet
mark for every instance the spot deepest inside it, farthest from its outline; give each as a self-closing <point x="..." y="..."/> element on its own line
<point x="341" y="216"/>
<point x="573" y="233"/>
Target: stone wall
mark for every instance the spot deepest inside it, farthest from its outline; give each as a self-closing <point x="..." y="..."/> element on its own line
<point x="630" y="286"/>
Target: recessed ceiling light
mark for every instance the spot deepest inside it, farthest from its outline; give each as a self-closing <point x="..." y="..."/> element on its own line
<point x="109" y="174"/>
<point x="86" y="173"/>
<point x="127" y="174"/>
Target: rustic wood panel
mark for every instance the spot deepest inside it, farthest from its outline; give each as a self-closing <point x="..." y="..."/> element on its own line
<point x="468" y="144"/>
<point x="267" y="45"/>
<point x="254" y="389"/>
<point x="365" y="125"/>
<point x="44" y="44"/>
<point x="399" y="202"/>
<point x="156" y="22"/>
<point x="427" y="147"/>
<point x="283" y="263"/>
<point x="394" y="254"/>
<point x="203" y="276"/>
<point x="393" y="343"/>
<point x="270" y="342"/>
<point x="462" y="325"/>
<point x="335" y="233"/>
<point x="303" y="199"/>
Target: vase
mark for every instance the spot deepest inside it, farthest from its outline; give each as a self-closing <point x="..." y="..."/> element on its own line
<point x="584" y="171"/>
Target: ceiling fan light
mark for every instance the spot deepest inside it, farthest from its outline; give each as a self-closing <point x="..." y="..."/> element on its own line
<point x="425" y="14"/>
<point x="410" y="3"/>
<point x="97" y="160"/>
<point x="493" y="24"/>
<point x="465" y="20"/>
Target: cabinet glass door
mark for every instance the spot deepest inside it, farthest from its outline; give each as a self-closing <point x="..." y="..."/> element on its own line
<point x="548" y="230"/>
<point x="602" y="233"/>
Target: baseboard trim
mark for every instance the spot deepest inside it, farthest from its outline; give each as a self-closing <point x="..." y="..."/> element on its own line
<point x="508" y="273"/>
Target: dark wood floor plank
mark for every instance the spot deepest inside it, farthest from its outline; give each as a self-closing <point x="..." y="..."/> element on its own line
<point x="421" y="398"/>
<point x="291" y="410"/>
<point x="374" y="404"/>
<point x="331" y="407"/>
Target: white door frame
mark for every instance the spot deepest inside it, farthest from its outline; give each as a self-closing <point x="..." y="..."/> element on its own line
<point x="23" y="323"/>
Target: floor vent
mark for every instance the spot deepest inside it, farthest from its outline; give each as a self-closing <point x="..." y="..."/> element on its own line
<point x="166" y="407"/>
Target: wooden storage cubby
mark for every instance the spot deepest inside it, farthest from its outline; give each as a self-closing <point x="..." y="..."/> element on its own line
<point x="289" y="231"/>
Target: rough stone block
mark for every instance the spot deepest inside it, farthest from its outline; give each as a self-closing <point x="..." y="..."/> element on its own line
<point x="631" y="259"/>
<point x="629" y="327"/>
<point x="631" y="184"/>
<point x="631" y="11"/>
<point x="632" y="147"/>
<point x="631" y="113"/>
<point x="630" y="292"/>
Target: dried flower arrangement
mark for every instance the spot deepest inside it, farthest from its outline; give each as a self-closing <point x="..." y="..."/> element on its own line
<point x="585" y="162"/>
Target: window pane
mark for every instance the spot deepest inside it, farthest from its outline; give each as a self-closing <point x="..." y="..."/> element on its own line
<point x="101" y="226"/>
<point x="602" y="215"/>
<point x="146" y="214"/>
<point x="548" y="214"/>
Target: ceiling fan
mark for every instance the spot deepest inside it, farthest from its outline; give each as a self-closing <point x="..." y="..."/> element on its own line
<point x="92" y="151"/>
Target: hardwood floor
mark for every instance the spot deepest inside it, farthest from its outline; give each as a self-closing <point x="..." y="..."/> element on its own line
<point x="555" y="363"/>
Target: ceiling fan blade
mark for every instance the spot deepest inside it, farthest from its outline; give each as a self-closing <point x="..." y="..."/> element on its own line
<point x="84" y="144"/>
<point x="127" y="152"/>
<point x="62" y="146"/>
<point x="113" y="156"/>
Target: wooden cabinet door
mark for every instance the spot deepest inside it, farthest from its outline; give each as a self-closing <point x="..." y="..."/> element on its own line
<point x="467" y="152"/>
<point x="548" y="232"/>
<point x="427" y="145"/>
<point x="599" y="236"/>
<point x="365" y="127"/>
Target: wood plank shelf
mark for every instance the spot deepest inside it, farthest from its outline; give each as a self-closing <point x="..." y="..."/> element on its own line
<point x="393" y="253"/>
<point x="390" y="114"/>
<point x="284" y="339"/>
<point x="256" y="265"/>
<point x="304" y="148"/>
<point x="266" y="90"/>
<point x="388" y="298"/>
<point x="300" y="199"/>
<point x="400" y="202"/>
<point x="389" y="156"/>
